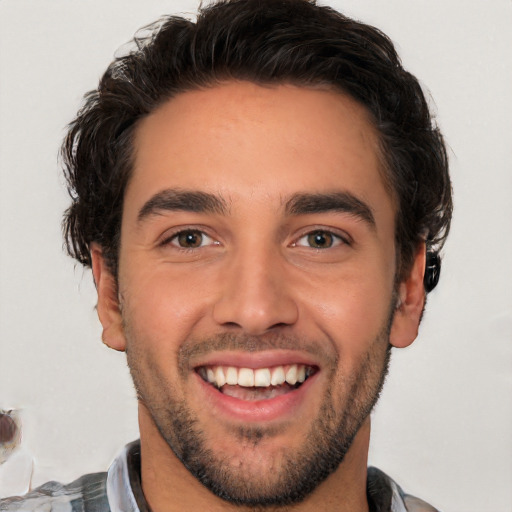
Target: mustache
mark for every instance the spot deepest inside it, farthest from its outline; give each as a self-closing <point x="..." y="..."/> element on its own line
<point x="192" y="349"/>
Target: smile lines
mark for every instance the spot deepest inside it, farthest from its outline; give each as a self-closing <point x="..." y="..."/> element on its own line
<point x="262" y="377"/>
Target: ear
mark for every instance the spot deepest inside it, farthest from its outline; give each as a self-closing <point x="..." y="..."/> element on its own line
<point x="411" y="301"/>
<point x="108" y="308"/>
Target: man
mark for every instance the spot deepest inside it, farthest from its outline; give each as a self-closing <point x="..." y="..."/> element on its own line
<point x="261" y="196"/>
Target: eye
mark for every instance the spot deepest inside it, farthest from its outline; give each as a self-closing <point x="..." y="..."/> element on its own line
<point x="320" y="239"/>
<point x="191" y="239"/>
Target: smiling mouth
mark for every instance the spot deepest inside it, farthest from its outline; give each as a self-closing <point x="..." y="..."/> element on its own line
<point x="256" y="384"/>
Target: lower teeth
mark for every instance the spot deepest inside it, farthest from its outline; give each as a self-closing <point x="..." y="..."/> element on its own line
<point x="256" y="393"/>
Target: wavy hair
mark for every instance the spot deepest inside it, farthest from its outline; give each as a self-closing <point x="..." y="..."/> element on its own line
<point x="266" y="42"/>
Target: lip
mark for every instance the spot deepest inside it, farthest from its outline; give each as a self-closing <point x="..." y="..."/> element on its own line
<point x="258" y="411"/>
<point x="254" y="360"/>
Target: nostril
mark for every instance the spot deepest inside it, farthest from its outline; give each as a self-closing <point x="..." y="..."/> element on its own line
<point x="278" y="325"/>
<point x="231" y="325"/>
<point x="254" y="306"/>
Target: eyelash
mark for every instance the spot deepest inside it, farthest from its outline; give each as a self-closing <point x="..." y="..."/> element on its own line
<point x="192" y="231"/>
<point x="336" y="239"/>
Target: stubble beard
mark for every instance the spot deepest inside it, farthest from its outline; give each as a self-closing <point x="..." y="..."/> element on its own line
<point x="292" y="477"/>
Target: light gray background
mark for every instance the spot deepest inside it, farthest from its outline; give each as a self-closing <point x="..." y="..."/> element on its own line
<point x="443" y="425"/>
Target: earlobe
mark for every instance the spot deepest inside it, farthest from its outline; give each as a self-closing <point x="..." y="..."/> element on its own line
<point x="411" y="301"/>
<point x="108" y="308"/>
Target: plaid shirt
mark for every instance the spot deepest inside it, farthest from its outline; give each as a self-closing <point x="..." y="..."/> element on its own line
<point x="119" y="490"/>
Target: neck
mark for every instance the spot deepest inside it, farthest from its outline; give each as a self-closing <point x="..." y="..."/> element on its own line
<point x="168" y="486"/>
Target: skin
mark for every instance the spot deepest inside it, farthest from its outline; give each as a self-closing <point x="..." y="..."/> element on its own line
<point x="256" y="277"/>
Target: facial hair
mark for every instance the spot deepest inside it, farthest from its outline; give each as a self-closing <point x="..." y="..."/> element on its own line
<point x="291" y="477"/>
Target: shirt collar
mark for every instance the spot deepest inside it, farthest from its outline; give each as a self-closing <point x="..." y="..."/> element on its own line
<point x="124" y="489"/>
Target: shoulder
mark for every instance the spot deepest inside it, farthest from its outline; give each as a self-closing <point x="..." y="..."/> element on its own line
<point x="385" y="494"/>
<point x="413" y="504"/>
<point x="86" y="494"/>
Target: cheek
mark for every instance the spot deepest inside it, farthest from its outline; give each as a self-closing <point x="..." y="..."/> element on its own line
<point x="352" y="309"/>
<point x="162" y="307"/>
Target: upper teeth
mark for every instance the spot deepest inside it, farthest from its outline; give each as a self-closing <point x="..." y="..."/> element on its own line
<point x="260" y="377"/>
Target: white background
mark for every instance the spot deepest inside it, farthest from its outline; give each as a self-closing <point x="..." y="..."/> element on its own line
<point x="443" y="426"/>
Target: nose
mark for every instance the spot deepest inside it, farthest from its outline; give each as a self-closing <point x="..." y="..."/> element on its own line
<point x="255" y="295"/>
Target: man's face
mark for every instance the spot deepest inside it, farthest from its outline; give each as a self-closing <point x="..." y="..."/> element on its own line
<point x="257" y="248"/>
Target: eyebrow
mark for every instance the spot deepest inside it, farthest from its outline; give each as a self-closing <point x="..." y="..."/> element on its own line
<point x="343" y="202"/>
<point x="298" y="204"/>
<point x="182" y="200"/>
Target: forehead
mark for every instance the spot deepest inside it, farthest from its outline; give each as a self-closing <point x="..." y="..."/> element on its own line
<point x="248" y="142"/>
